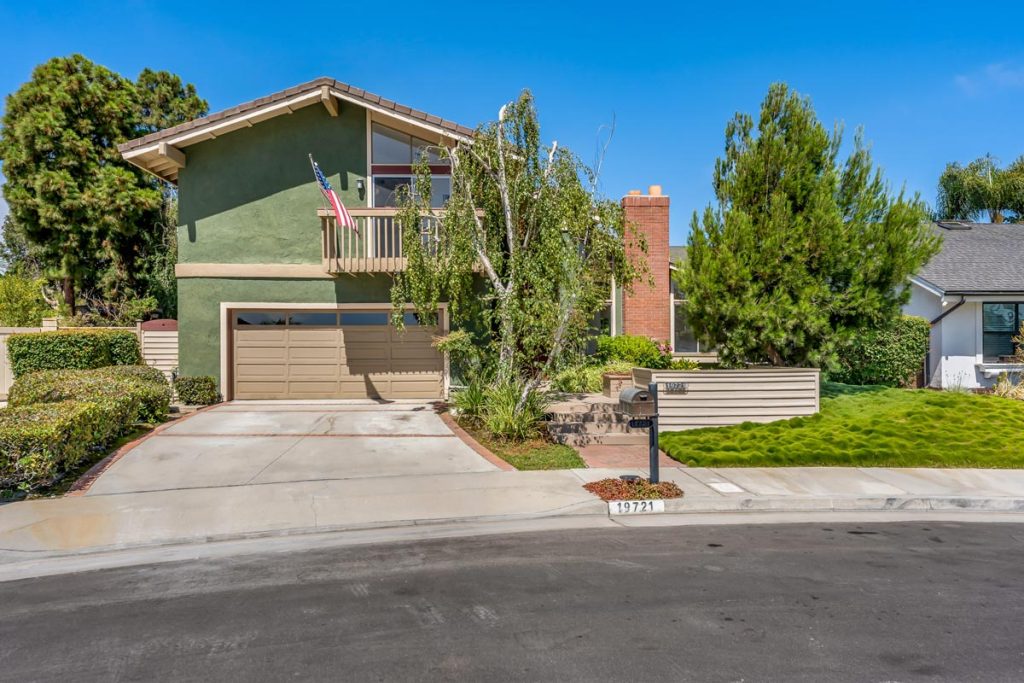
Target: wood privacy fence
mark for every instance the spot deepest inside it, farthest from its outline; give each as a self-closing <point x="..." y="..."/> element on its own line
<point x="157" y="338"/>
<point x="713" y="398"/>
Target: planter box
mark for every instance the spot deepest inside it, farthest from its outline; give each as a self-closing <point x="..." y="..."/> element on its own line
<point x="714" y="398"/>
<point x="614" y="382"/>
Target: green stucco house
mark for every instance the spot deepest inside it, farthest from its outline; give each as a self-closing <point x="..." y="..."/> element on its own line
<point x="274" y="298"/>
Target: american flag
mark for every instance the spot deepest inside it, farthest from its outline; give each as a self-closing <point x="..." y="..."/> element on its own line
<point x="341" y="214"/>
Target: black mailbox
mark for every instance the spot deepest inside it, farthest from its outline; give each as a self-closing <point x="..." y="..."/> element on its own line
<point x="636" y="402"/>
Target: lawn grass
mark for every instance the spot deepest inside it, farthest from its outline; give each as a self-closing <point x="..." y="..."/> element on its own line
<point x="868" y="426"/>
<point x="533" y="454"/>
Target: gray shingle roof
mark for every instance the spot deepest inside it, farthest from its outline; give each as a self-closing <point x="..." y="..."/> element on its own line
<point x="676" y="254"/>
<point x="978" y="258"/>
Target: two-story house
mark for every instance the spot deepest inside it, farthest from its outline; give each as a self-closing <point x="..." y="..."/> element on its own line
<point x="277" y="301"/>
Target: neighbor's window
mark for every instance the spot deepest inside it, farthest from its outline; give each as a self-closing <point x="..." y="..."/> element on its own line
<point x="392" y="157"/>
<point x="685" y="341"/>
<point x="1000" y="324"/>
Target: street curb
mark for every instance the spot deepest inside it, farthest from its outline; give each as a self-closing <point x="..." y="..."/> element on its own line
<point x="586" y="508"/>
<point x="841" y="504"/>
<point x="85" y="482"/>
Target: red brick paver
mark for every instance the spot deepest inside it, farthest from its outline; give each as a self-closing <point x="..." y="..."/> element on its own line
<point x="621" y="457"/>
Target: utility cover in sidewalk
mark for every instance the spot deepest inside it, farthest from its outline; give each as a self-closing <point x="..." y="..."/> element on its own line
<point x="725" y="487"/>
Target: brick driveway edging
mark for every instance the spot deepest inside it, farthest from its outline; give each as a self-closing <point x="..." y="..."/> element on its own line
<point x="479" y="448"/>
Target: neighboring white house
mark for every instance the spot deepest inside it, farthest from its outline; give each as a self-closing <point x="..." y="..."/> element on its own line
<point x="972" y="292"/>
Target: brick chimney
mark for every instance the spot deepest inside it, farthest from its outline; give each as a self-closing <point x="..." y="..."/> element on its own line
<point x="645" y="309"/>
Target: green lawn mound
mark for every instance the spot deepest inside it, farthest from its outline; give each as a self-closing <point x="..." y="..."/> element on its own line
<point x="868" y="426"/>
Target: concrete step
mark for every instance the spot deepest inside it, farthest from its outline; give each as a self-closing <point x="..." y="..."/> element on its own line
<point x="581" y="408"/>
<point x="594" y="416"/>
<point x="594" y="428"/>
<point x="615" y="439"/>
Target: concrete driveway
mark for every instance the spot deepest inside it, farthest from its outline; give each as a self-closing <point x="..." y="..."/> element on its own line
<point x="267" y="442"/>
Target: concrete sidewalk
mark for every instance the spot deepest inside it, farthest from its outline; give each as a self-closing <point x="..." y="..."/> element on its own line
<point x="195" y="515"/>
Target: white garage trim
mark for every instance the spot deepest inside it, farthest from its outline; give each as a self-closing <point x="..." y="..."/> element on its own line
<point x="226" y="308"/>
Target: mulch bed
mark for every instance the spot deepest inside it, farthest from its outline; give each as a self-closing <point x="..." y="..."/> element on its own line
<point x="640" y="489"/>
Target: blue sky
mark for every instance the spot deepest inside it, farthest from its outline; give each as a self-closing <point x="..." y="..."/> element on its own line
<point x="930" y="82"/>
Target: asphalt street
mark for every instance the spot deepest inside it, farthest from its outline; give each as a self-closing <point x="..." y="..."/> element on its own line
<point x="807" y="602"/>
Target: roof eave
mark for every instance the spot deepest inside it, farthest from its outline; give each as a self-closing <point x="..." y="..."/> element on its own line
<point x="150" y="151"/>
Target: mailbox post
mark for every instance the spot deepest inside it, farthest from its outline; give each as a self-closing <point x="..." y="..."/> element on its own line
<point x="642" y="408"/>
<point x="652" y="437"/>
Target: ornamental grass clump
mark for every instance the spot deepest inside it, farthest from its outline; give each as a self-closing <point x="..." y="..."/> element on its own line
<point x="505" y="419"/>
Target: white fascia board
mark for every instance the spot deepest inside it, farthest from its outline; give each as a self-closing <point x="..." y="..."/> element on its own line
<point x="927" y="286"/>
<point x="228" y="125"/>
<point x="412" y="121"/>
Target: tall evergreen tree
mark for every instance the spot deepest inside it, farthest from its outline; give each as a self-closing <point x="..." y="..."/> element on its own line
<point x="66" y="184"/>
<point x="802" y="250"/>
<point x="165" y="101"/>
<point x="97" y="221"/>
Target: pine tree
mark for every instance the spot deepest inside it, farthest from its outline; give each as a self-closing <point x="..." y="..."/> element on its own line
<point x="801" y="251"/>
<point x="67" y="186"/>
<point x="93" y="220"/>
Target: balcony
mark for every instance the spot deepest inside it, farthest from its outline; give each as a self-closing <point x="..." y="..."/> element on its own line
<point x="374" y="247"/>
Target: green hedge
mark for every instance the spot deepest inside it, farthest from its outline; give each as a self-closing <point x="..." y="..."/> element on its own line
<point x="891" y="356"/>
<point x="132" y="394"/>
<point x="39" y="443"/>
<point x="72" y="350"/>
<point x="197" y="391"/>
<point x="587" y="379"/>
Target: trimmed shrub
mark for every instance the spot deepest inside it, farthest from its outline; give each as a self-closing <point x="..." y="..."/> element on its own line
<point x="142" y="372"/>
<point x="124" y="347"/>
<point x="890" y="356"/>
<point x="39" y="443"/>
<point x="200" y="390"/>
<point x="127" y="399"/>
<point x="642" y="352"/>
<point x="72" y="350"/>
<point x="145" y="382"/>
<point x="587" y="379"/>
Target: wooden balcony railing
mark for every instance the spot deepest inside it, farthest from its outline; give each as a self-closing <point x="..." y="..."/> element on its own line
<point x="374" y="247"/>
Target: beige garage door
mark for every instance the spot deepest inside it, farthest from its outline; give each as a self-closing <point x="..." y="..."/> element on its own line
<point x="333" y="354"/>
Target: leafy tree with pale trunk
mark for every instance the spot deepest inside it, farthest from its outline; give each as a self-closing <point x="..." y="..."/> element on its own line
<point x="524" y="251"/>
<point x="802" y="250"/>
<point x="981" y="188"/>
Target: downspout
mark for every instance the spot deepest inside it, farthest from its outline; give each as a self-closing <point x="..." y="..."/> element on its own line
<point x="933" y="323"/>
<point x="957" y="305"/>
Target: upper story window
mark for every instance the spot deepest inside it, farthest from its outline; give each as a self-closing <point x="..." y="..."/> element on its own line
<point x="1000" y="324"/>
<point x="392" y="157"/>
